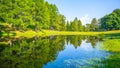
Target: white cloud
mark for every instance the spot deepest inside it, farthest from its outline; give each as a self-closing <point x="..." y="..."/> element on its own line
<point x="85" y="19"/>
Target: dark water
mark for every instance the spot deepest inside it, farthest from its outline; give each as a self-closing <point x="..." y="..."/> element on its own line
<point x="58" y="52"/>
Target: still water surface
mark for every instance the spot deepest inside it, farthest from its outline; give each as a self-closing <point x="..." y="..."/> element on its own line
<point x="59" y="52"/>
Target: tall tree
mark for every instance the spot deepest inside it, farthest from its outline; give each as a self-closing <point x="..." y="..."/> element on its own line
<point x="67" y="26"/>
<point x="62" y="22"/>
<point x="94" y="25"/>
<point x="53" y="17"/>
<point x="88" y="27"/>
<point x="80" y="25"/>
<point x="74" y="25"/>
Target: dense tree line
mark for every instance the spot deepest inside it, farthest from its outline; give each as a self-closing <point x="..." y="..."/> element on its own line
<point x="76" y="25"/>
<point x="110" y="21"/>
<point x="39" y="14"/>
<point x="31" y="14"/>
<point x="93" y="26"/>
<point x="106" y="23"/>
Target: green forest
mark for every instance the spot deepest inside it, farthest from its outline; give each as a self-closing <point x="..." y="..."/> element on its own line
<point x="17" y="15"/>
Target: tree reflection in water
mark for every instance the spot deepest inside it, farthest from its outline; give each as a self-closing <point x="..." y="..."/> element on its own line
<point x="37" y="51"/>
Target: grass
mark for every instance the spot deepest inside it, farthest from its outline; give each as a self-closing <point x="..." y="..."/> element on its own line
<point x="31" y="33"/>
<point x="112" y="45"/>
<point x="51" y="32"/>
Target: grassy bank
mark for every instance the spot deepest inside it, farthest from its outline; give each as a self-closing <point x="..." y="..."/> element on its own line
<point x="31" y="33"/>
<point x="111" y="45"/>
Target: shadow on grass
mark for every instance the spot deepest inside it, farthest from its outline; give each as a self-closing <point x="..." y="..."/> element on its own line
<point x="113" y="36"/>
<point x="110" y="36"/>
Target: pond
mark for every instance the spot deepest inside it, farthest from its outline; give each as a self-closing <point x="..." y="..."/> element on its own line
<point x="60" y="52"/>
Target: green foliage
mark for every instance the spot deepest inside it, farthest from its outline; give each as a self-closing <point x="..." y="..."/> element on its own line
<point x="67" y="26"/>
<point x="80" y="26"/>
<point x="88" y="27"/>
<point x="38" y="14"/>
<point x="94" y="25"/>
<point x="31" y="14"/>
<point x="75" y="25"/>
<point x="111" y="21"/>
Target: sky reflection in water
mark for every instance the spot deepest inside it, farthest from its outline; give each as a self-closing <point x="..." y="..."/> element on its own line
<point x="83" y="55"/>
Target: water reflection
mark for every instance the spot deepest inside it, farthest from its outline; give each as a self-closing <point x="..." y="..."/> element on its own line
<point x="54" y="52"/>
<point x="82" y="56"/>
<point x="34" y="52"/>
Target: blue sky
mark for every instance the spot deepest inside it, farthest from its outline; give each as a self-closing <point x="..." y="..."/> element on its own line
<point x="85" y="10"/>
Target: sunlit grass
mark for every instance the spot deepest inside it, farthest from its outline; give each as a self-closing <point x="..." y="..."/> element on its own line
<point x="31" y="33"/>
<point x="52" y="32"/>
<point x="111" y="45"/>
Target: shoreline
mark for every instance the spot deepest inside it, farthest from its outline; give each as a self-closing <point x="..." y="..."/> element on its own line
<point x="31" y="33"/>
